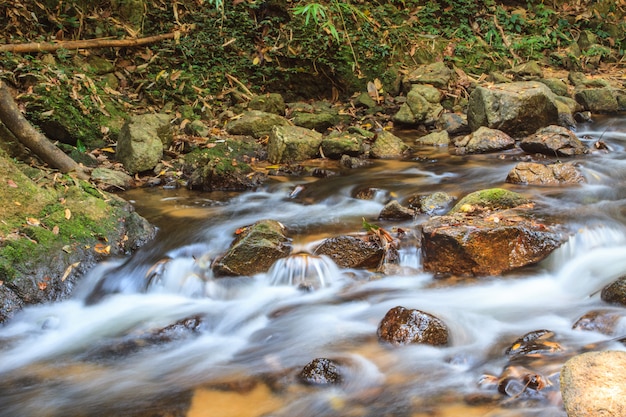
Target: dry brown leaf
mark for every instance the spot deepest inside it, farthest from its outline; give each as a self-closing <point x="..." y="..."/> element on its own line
<point x="68" y="270"/>
<point x="31" y="221"/>
<point x="11" y="184"/>
<point x="68" y="214"/>
<point x="55" y="230"/>
<point x="102" y="248"/>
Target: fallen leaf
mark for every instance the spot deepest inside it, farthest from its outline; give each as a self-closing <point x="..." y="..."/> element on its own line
<point x="31" y="221"/>
<point x="42" y="285"/>
<point x="11" y="184"/>
<point x="68" y="214"/>
<point x="68" y="270"/>
<point x="102" y="248"/>
<point x="55" y="230"/>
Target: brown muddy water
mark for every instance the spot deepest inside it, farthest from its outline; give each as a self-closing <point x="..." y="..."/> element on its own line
<point x="97" y="354"/>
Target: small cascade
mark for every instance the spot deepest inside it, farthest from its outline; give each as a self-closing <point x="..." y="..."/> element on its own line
<point x="304" y="270"/>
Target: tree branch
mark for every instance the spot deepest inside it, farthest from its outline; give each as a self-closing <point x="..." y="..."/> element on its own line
<point x="30" y="137"/>
<point x="89" y="43"/>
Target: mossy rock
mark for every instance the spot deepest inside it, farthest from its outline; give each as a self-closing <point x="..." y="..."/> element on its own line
<point x="489" y="199"/>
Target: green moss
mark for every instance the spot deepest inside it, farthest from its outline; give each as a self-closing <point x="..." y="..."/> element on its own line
<point x="490" y="199"/>
<point x="219" y="158"/>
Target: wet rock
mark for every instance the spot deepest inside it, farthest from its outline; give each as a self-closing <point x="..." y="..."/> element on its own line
<point x="388" y="146"/>
<point x="371" y="193"/>
<point x="395" y="211"/>
<point x="485" y="140"/>
<point x="337" y="144"/>
<point x="537" y="342"/>
<point x="553" y="141"/>
<point x="268" y="103"/>
<point x="435" y="203"/>
<point x="436" y="74"/>
<point x="352" y="252"/>
<point x="422" y="106"/>
<point x="351" y="162"/>
<point x="594" y="384"/>
<point x="615" y="293"/>
<point x="292" y="144"/>
<point x="435" y="139"/>
<point x="540" y="174"/>
<point x="601" y="321"/>
<point x="255" y="123"/>
<point x="598" y="100"/>
<point x="142" y="140"/>
<point x="486" y="233"/>
<point x="517" y="108"/>
<point x="321" y="371"/>
<point x="402" y="326"/>
<point x="10" y="303"/>
<point x="254" y="250"/>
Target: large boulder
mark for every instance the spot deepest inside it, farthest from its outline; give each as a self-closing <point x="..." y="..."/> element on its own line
<point x="141" y="141"/>
<point x="335" y="145"/>
<point x="553" y="141"/>
<point x="615" y="293"/>
<point x="293" y="144"/>
<point x="254" y="250"/>
<point x="269" y="103"/>
<point x="255" y="123"/>
<point x="598" y="100"/>
<point x="486" y="233"/>
<point x="353" y="251"/>
<point x="539" y="174"/>
<point x="594" y="384"/>
<point x="517" y="108"/>
<point x="436" y="74"/>
<point x="402" y="326"/>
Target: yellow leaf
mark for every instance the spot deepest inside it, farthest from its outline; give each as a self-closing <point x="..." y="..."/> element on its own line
<point x="68" y="270"/>
<point x="109" y="150"/>
<point x="33" y="221"/>
<point x="102" y="248"/>
<point x="256" y="60"/>
<point x="68" y="214"/>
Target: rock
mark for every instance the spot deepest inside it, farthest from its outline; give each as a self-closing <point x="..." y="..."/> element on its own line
<point x="441" y="138"/>
<point x="586" y="39"/>
<point x="371" y="193"/>
<point x="352" y="252"/>
<point x="578" y="79"/>
<point x="489" y="200"/>
<point x="453" y="123"/>
<point x="223" y="166"/>
<point x="540" y="174"/>
<point x="532" y="344"/>
<point x="337" y="144"/>
<point x="598" y="100"/>
<point x="431" y="204"/>
<point x="142" y="140"/>
<point x="320" y="116"/>
<point x="615" y="293"/>
<point x="556" y="85"/>
<point x="436" y="74"/>
<point x="486" y="233"/>
<point x="352" y="162"/>
<point x="517" y="108"/>
<point x="255" y="123"/>
<point x="554" y="141"/>
<point x="10" y="303"/>
<point x="365" y="100"/>
<point x="594" y="384"/>
<point x="527" y="71"/>
<point x="422" y="103"/>
<point x="197" y="128"/>
<point x="485" y="140"/>
<point x="321" y="371"/>
<point x="388" y="146"/>
<point x="293" y="144"/>
<point x="254" y="250"/>
<point x="268" y="103"/>
<point x="111" y="179"/>
<point x="402" y="326"/>
<point x="601" y="321"/>
<point x="395" y="211"/>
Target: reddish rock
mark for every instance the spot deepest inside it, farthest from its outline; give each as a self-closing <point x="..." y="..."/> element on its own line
<point x="539" y="174"/>
<point x="402" y="326"/>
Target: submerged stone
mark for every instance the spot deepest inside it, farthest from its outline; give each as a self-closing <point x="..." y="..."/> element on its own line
<point x="321" y="371"/>
<point x="402" y="326"/>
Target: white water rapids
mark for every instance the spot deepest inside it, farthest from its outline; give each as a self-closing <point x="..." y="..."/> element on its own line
<point x="51" y="355"/>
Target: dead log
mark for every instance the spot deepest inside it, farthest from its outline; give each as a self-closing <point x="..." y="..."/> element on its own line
<point x="30" y="137"/>
<point x="88" y="43"/>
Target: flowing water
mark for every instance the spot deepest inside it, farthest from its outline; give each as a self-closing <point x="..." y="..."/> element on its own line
<point x="238" y="344"/>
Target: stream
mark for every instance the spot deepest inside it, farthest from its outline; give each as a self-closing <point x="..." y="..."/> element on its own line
<point x="235" y="346"/>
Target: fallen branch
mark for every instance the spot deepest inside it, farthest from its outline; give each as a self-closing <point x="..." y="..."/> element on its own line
<point x="89" y="43"/>
<point x="30" y="137"/>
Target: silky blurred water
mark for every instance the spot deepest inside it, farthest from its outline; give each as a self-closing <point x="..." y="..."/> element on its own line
<point x="58" y="359"/>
